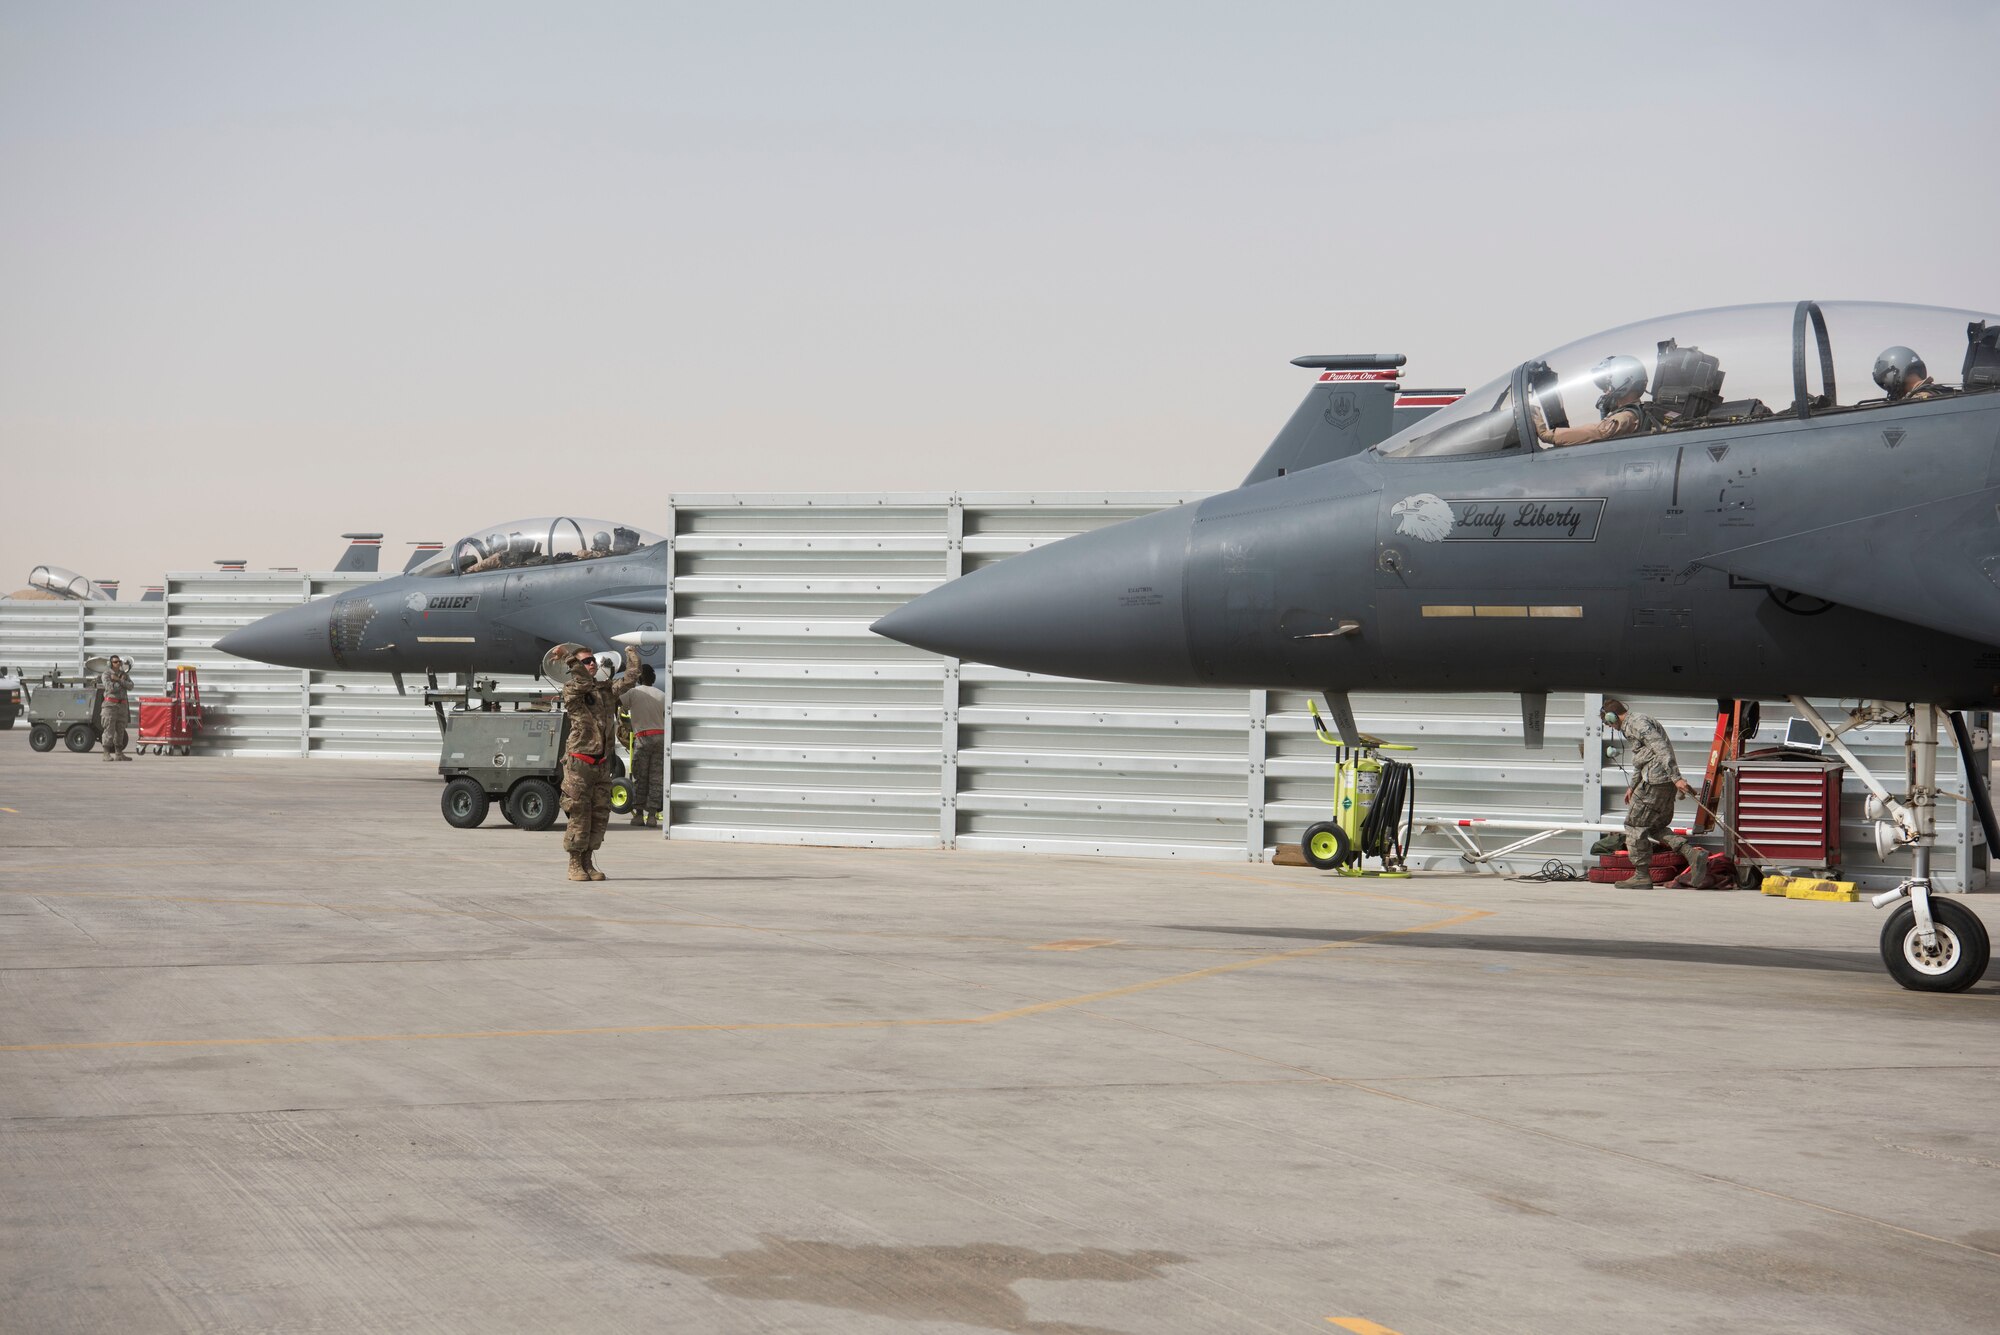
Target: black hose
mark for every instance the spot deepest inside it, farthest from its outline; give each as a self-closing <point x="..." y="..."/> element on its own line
<point x="1395" y="803"/>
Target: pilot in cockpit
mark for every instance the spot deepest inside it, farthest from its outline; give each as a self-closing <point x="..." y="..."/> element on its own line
<point x="1904" y="378"/>
<point x="1623" y="380"/>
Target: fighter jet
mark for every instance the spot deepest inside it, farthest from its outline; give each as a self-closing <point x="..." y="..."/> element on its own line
<point x="1788" y="505"/>
<point x="494" y="601"/>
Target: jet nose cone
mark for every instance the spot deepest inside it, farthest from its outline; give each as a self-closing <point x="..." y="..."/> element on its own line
<point x="1105" y="604"/>
<point x="296" y="637"/>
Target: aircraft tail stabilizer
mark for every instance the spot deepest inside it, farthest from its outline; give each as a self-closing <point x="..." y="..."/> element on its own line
<point x="1357" y="402"/>
<point x="363" y="554"/>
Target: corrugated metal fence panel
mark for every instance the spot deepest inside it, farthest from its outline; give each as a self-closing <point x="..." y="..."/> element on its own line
<point x="136" y="632"/>
<point x="36" y="636"/>
<point x="792" y="722"/>
<point x="248" y="708"/>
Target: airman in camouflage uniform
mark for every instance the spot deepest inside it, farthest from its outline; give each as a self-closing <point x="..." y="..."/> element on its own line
<point x="1649" y="802"/>
<point x="592" y="707"/>
<point x="114" y="713"/>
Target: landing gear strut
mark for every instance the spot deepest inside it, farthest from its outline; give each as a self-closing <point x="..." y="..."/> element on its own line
<point x="1929" y="945"/>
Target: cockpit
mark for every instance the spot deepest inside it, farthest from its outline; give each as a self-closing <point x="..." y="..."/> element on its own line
<point x="548" y="540"/>
<point x="66" y="584"/>
<point x="1729" y="366"/>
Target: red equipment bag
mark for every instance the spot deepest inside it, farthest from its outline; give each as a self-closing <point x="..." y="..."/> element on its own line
<point x="156" y="717"/>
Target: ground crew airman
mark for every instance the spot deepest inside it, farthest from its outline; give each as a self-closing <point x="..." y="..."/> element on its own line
<point x="1649" y="801"/>
<point x="1904" y="378"/>
<point x="1623" y="380"/>
<point x="592" y="707"/>
<point x="113" y="713"/>
<point x="647" y="704"/>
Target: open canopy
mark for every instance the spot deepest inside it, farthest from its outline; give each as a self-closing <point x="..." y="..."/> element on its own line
<point x="1704" y="369"/>
<point x="534" y="542"/>
<point x="56" y="582"/>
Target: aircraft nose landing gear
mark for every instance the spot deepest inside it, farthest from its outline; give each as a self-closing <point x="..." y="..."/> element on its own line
<point x="1930" y="944"/>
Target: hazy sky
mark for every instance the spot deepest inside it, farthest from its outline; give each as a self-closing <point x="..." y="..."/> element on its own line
<point x="287" y="269"/>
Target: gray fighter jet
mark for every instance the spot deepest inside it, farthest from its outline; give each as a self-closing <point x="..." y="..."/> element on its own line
<point x="494" y="601"/>
<point x="1786" y="505"/>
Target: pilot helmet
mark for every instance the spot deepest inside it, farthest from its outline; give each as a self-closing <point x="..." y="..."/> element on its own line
<point x="600" y="542"/>
<point x="1895" y="366"/>
<point x="1620" y="377"/>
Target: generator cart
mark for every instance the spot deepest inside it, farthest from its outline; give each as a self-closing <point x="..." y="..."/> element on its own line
<point x="501" y="744"/>
<point x="65" y="707"/>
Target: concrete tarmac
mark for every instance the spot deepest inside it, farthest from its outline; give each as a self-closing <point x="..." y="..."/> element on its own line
<point x="281" y="1051"/>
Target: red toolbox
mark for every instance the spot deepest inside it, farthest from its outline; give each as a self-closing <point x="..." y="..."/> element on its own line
<point x="1785" y="813"/>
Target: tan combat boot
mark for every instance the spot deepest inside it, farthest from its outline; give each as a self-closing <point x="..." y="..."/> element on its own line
<point x="591" y="867"/>
<point x="638" y="817"/>
<point x="579" y="869"/>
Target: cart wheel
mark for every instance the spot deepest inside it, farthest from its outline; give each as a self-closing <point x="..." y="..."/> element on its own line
<point x="1963" y="948"/>
<point x="464" y="803"/>
<point x="1325" y="846"/>
<point x="80" y="737"/>
<point x="531" y="804"/>
<point x="42" y="737"/>
<point x="187" y="748"/>
<point x="621" y="797"/>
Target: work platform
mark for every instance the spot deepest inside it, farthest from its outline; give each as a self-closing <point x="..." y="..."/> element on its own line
<point x="282" y="1051"/>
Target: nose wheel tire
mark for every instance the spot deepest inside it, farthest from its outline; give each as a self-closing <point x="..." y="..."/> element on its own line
<point x="465" y="803"/>
<point x="1963" y="948"/>
<point x="1326" y="846"/>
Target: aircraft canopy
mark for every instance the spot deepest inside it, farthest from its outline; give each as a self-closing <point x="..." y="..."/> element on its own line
<point x="1722" y="367"/>
<point x="65" y="584"/>
<point x="545" y="540"/>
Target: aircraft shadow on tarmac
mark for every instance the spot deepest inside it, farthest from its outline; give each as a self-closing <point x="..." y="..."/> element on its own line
<point x="1674" y="952"/>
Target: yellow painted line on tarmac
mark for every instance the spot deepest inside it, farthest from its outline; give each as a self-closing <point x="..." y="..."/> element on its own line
<point x="1080" y="943"/>
<point x="600" y="1031"/>
<point x="1360" y="1325"/>
<point x="10" y="811"/>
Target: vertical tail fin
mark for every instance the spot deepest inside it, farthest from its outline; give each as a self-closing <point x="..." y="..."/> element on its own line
<point x="420" y="553"/>
<point x="110" y="587"/>
<point x="1356" y="403"/>
<point x="364" y="553"/>
<point x="154" y="593"/>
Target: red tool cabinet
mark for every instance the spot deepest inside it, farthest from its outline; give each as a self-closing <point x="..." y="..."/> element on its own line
<point x="1785" y="813"/>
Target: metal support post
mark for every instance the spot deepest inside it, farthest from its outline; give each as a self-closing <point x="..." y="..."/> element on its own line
<point x="1591" y="809"/>
<point x="305" y="685"/>
<point x="667" y="685"/>
<point x="954" y="566"/>
<point x="1258" y="753"/>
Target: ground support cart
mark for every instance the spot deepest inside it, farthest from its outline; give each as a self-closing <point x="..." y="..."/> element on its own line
<point x="65" y="708"/>
<point x="172" y="722"/>
<point x="501" y="744"/>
